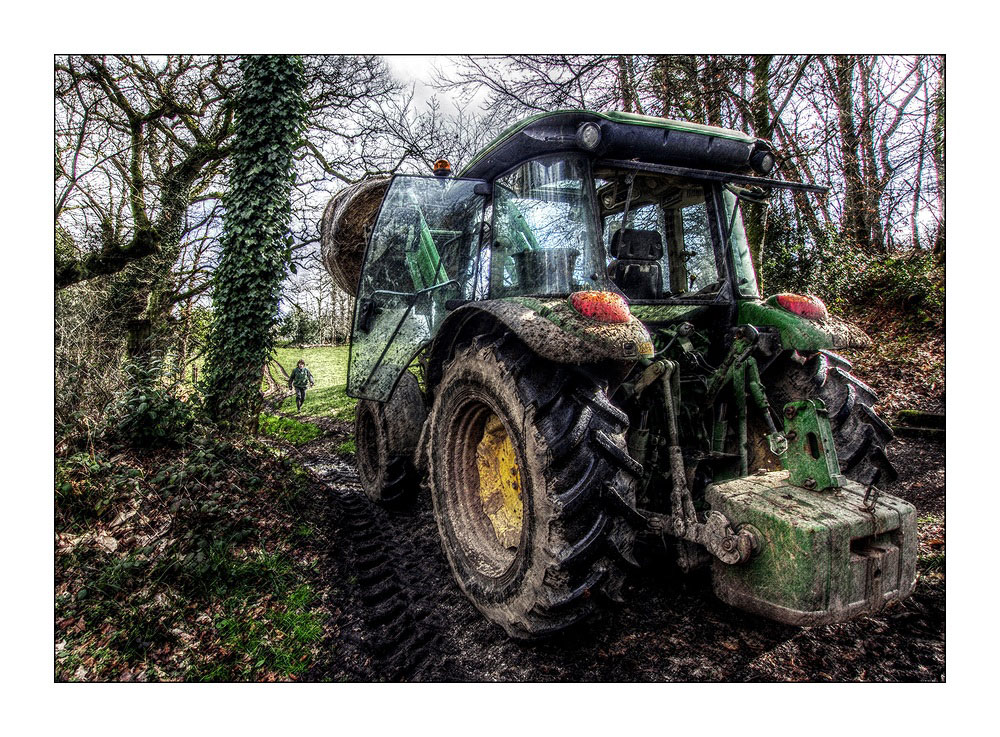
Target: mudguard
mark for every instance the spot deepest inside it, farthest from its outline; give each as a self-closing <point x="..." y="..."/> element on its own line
<point x="551" y="328"/>
<point x="799" y="333"/>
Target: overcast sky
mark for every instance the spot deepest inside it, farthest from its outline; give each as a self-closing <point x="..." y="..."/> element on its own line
<point x="418" y="69"/>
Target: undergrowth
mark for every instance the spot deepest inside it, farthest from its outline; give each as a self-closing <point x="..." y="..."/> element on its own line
<point x="909" y="281"/>
<point x="180" y="553"/>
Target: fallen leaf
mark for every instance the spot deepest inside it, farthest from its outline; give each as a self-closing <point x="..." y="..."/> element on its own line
<point x="106" y="543"/>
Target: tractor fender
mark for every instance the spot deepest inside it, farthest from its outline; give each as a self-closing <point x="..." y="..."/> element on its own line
<point x="549" y="327"/>
<point x="802" y="334"/>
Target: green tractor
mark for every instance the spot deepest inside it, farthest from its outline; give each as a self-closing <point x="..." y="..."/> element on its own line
<point x="568" y="343"/>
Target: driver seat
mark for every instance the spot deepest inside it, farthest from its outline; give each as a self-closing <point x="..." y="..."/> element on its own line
<point x="636" y="268"/>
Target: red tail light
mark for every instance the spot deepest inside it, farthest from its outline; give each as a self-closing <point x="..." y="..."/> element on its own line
<point x="601" y="306"/>
<point x="805" y="305"/>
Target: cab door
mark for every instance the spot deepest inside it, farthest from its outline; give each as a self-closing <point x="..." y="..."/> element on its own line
<point x="424" y="251"/>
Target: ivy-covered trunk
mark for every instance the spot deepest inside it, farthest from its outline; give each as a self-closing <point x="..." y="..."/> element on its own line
<point x="255" y="242"/>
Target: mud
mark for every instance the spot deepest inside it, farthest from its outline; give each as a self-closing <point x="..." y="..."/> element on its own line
<point x="397" y="615"/>
<point x="555" y="331"/>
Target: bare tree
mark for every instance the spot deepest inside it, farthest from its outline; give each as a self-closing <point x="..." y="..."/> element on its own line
<point x="855" y="122"/>
<point x="141" y="151"/>
<point x="937" y="154"/>
<point x="138" y="140"/>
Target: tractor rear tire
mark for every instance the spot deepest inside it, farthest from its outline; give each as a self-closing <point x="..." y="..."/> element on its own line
<point x="531" y="484"/>
<point x="385" y="436"/>
<point x="859" y="433"/>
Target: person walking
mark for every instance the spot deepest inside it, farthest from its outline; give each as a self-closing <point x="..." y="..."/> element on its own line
<point x="300" y="379"/>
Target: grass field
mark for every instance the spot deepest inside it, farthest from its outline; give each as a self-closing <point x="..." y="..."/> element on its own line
<point x="288" y="429"/>
<point x="328" y="366"/>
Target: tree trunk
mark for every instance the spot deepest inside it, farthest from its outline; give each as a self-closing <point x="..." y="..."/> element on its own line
<point x="753" y="214"/>
<point x="624" y="85"/>
<point x="269" y="119"/>
<point x="185" y="339"/>
<point x="853" y="221"/>
<point x="874" y="183"/>
<point x="915" y="209"/>
<point x="802" y="172"/>
<point x="937" y="155"/>
<point x="711" y="89"/>
<point x="139" y="340"/>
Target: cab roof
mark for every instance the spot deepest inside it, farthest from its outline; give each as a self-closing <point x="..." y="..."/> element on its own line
<point x="623" y="136"/>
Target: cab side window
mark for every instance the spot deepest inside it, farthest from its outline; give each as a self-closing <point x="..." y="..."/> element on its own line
<point x="545" y="233"/>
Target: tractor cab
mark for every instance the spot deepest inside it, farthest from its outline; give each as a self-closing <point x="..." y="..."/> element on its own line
<point x="564" y="202"/>
<point x="562" y="224"/>
<point x="612" y="202"/>
<point x="660" y="196"/>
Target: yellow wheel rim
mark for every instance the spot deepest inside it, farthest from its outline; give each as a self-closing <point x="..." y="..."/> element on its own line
<point x="500" y="483"/>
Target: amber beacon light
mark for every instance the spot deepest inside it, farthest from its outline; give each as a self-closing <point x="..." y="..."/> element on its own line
<point x="442" y="168"/>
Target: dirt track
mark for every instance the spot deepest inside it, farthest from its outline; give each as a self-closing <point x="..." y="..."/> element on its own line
<point x="396" y="614"/>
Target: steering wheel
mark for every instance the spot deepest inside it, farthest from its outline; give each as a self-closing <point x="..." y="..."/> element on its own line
<point x="707" y="289"/>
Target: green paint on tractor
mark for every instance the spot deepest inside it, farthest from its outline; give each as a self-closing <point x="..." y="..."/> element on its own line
<point x="810" y="456"/>
<point x="800" y="333"/>
<point x="824" y="556"/>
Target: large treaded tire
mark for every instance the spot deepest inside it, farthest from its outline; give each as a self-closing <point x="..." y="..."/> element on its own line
<point x="859" y="433"/>
<point x="385" y="437"/>
<point x="577" y="484"/>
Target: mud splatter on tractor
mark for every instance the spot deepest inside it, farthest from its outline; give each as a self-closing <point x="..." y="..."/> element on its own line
<point x="568" y="340"/>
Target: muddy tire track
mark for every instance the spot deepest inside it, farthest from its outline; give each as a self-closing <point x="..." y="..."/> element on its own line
<point x="401" y="617"/>
<point x="391" y="582"/>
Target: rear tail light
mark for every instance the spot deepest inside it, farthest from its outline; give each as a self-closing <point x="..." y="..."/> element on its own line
<point x="804" y="305"/>
<point x="601" y="306"/>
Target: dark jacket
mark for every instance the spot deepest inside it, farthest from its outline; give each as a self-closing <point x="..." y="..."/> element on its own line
<point x="300" y="378"/>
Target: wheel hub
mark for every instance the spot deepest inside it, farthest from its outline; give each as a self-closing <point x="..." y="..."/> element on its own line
<point x="500" y="482"/>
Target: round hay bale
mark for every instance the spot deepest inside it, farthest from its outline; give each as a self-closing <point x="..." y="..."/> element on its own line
<point x="345" y="227"/>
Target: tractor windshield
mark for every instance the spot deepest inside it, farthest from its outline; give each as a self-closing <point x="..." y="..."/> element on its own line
<point x="546" y="236"/>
